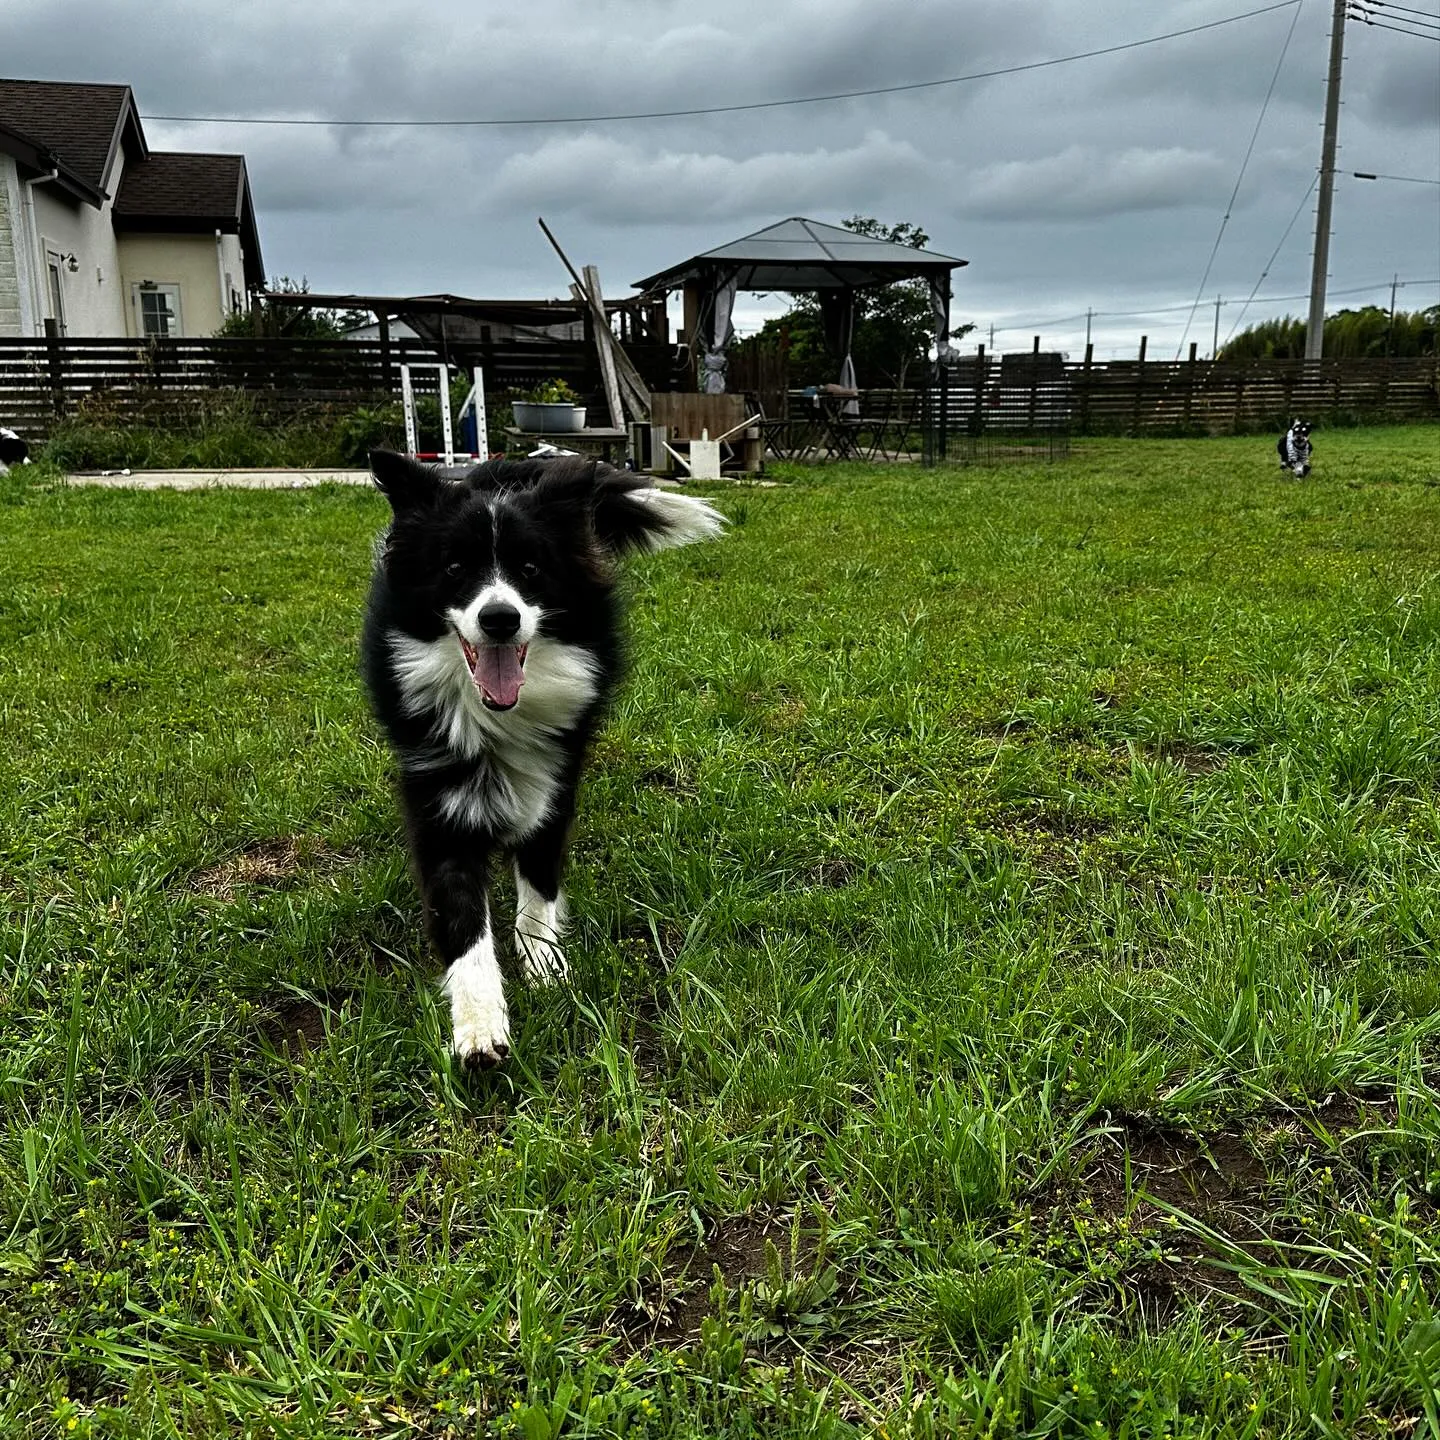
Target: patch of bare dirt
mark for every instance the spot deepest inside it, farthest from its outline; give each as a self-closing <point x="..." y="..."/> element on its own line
<point x="1193" y="759"/>
<point x="1203" y="1176"/>
<point x="1066" y="824"/>
<point x="295" y="1025"/>
<point x="269" y="865"/>
<point x="664" y="777"/>
<point x="872" y="1373"/>
<point x="662" y="941"/>
<point x="834" y="872"/>
<point x="647" y="1042"/>
<point x="671" y="1312"/>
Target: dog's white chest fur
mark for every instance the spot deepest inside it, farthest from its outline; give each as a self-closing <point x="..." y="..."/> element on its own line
<point x="517" y="759"/>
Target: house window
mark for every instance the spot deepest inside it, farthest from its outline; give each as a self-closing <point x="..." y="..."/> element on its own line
<point x="157" y="309"/>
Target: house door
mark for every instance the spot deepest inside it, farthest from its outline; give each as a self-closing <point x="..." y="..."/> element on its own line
<point x="55" y="286"/>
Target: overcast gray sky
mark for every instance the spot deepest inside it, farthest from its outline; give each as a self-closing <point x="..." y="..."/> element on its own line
<point x="1098" y="184"/>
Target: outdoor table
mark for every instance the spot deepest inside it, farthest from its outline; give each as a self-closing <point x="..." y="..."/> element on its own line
<point x="596" y="438"/>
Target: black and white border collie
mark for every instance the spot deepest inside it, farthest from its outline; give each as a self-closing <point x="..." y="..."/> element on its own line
<point x="492" y="644"/>
<point x="1294" y="448"/>
<point x="13" y="450"/>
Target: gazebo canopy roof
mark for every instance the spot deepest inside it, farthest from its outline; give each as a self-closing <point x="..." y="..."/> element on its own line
<point x="798" y="254"/>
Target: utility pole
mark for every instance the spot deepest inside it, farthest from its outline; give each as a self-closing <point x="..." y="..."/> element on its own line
<point x="1215" y="338"/>
<point x="1089" y="313"/>
<point x="1390" y="324"/>
<point x="1315" y="329"/>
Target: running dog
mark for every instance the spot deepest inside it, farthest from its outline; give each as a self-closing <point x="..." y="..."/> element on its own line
<point x="492" y="644"/>
<point x="1294" y="449"/>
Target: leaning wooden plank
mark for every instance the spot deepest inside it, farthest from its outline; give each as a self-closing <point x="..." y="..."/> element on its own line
<point x="633" y="390"/>
<point x="607" y="366"/>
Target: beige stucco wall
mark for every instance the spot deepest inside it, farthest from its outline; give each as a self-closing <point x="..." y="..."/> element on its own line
<point x="94" y="304"/>
<point x="193" y="262"/>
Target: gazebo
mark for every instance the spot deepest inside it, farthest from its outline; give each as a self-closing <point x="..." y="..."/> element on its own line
<point x="797" y="255"/>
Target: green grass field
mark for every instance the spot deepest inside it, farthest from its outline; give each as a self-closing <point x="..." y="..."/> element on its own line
<point x="1005" y="904"/>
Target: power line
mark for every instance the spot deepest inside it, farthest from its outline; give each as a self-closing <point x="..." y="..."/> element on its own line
<point x="1386" y="5"/>
<point x="1298" y="209"/>
<point x="733" y="109"/>
<point x="1244" y="165"/>
<point x="1050" y="324"/>
<point x="1408" y="179"/>
<point x="1364" y="19"/>
<point x="1423" y="17"/>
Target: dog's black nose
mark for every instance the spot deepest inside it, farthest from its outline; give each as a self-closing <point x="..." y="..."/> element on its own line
<point x="499" y="621"/>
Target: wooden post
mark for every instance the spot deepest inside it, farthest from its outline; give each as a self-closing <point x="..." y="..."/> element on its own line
<point x="1034" y="382"/>
<point x="630" y="387"/>
<point x="690" y="331"/>
<point x="384" y="351"/>
<point x="944" y="411"/>
<point x="598" y="321"/>
<point x="1085" y="388"/>
<point x="1190" y="383"/>
<point x="57" y="372"/>
<point x="1139" y="384"/>
<point x="977" y="421"/>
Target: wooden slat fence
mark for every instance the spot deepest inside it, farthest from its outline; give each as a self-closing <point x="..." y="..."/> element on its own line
<point x="132" y="382"/>
<point x="1040" y="393"/>
<point x="1233" y="397"/>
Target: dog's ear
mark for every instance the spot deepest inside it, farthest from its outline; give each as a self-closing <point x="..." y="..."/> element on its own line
<point x="565" y="482"/>
<point x="630" y="514"/>
<point x="407" y="483"/>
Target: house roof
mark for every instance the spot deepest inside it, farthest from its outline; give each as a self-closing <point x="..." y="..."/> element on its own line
<point x="77" y="128"/>
<point x="189" y="192"/>
<point x="799" y="254"/>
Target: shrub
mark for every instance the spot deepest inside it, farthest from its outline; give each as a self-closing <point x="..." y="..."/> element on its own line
<point x="225" y="429"/>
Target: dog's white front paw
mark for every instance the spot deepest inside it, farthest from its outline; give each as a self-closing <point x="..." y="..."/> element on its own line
<point x="478" y="1014"/>
<point x="482" y="1032"/>
<point x="541" y="958"/>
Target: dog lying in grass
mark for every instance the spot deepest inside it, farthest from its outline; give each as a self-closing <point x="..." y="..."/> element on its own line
<point x="492" y="643"/>
<point x="13" y="450"/>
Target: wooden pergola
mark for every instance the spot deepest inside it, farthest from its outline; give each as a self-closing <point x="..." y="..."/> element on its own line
<point x="797" y="255"/>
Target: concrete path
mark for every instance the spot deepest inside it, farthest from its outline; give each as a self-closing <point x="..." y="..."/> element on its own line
<point x="278" y="479"/>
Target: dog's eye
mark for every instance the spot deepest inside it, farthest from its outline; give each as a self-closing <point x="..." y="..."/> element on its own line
<point x="453" y="569"/>
<point x="529" y="569"/>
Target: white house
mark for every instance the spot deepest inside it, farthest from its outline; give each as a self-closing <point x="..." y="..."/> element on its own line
<point x="106" y="237"/>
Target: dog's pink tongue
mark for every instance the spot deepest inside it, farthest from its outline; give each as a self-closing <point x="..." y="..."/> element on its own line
<point x="500" y="673"/>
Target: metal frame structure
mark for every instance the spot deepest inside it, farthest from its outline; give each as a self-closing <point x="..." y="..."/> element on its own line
<point x="474" y="400"/>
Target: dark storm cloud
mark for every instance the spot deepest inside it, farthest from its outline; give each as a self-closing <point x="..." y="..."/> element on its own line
<point x="1098" y="184"/>
<point x="608" y="180"/>
<point x="1406" y="93"/>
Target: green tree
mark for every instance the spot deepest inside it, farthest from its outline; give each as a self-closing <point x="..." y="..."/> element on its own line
<point x="1366" y="331"/>
<point x="269" y="320"/>
<point x="894" y="326"/>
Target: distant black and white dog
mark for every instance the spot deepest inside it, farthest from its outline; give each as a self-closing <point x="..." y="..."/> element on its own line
<point x="13" y="450"/>
<point x="492" y="643"/>
<point x="1294" y="449"/>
